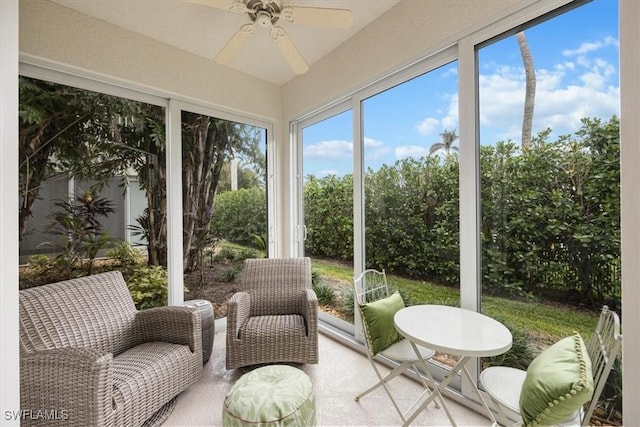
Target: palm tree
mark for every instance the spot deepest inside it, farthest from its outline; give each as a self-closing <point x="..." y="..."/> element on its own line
<point x="448" y="138"/>
<point x="530" y="89"/>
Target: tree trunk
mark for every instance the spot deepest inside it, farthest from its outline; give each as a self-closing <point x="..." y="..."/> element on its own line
<point x="202" y="163"/>
<point x="35" y="173"/>
<point x="530" y="90"/>
<point x="154" y="176"/>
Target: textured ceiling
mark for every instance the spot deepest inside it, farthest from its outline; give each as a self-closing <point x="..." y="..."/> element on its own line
<point x="204" y="31"/>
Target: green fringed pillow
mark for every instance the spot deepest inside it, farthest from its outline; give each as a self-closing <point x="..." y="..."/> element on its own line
<point x="558" y="382"/>
<point x="377" y="317"/>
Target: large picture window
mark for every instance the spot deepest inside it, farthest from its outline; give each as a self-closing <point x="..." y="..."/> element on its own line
<point x="92" y="188"/>
<point x="550" y="177"/>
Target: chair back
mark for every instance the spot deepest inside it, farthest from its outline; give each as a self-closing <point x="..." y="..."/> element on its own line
<point x="603" y="350"/>
<point x="276" y="284"/>
<point x="370" y="285"/>
<point x="90" y="312"/>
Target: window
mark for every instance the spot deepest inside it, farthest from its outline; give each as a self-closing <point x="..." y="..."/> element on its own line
<point x="89" y="162"/>
<point x="327" y="231"/>
<point x="550" y="177"/>
<point x="224" y="201"/>
<point x="411" y="187"/>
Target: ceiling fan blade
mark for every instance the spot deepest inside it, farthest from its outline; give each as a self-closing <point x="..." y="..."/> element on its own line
<point x="289" y="50"/>
<point x="230" y="5"/>
<point x="318" y="17"/>
<point x="230" y="50"/>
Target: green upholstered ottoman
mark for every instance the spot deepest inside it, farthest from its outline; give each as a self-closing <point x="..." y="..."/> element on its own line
<point x="275" y="395"/>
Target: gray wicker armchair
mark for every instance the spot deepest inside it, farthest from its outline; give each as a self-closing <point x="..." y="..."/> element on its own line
<point x="274" y="317"/>
<point x="90" y="358"/>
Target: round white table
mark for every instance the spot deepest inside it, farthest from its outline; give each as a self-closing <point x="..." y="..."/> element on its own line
<point x="456" y="331"/>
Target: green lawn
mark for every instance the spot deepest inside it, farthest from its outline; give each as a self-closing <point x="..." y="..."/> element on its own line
<point x="548" y="323"/>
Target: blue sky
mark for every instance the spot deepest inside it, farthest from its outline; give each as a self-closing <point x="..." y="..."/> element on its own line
<point x="576" y="61"/>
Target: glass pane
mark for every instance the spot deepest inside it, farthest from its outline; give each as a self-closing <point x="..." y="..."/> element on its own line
<point x="327" y="151"/>
<point x="224" y="204"/>
<point x="549" y="169"/>
<point x="92" y="188"/>
<point x="411" y="188"/>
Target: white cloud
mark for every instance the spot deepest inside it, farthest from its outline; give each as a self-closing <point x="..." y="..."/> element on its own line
<point x="370" y="143"/>
<point x="450" y="121"/>
<point x="583" y="87"/>
<point x="405" y="151"/>
<point x="450" y="72"/>
<point x="588" y="47"/>
<point x="375" y="150"/>
<point x="427" y="126"/>
<point x="432" y="126"/>
<point x="593" y="80"/>
<point x="330" y="149"/>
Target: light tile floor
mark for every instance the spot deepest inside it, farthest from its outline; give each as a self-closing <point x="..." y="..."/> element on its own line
<point x="341" y="374"/>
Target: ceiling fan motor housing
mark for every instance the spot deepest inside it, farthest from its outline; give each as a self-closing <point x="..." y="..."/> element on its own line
<point x="263" y="13"/>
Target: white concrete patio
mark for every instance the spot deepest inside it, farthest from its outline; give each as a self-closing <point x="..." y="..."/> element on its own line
<point x="340" y="375"/>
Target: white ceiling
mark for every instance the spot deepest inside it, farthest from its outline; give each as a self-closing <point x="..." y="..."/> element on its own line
<point x="204" y="31"/>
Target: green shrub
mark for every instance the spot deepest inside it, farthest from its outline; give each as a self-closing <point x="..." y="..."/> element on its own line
<point x="520" y="355"/>
<point x="39" y="263"/>
<point x="40" y="269"/>
<point x="328" y="215"/>
<point x="246" y="254"/>
<point x="232" y="272"/>
<point x="225" y="254"/>
<point x="229" y="254"/>
<point x="148" y="286"/>
<point x="325" y="293"/>
<point x="550" y="223"/>
<point x="126" y="255"/>
<point x="240" y="216"/>
<point x="347" y="306"/>
<point x="612" y="392"/>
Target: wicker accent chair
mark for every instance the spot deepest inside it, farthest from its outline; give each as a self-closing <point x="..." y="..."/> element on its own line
<point x="274" y="316"/>
<point x="89" y="357"/>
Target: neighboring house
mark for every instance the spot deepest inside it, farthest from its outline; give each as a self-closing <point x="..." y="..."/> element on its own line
<point x="129" y="201"/>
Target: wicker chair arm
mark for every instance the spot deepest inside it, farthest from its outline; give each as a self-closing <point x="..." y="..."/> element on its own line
<point x="238" y="309"/>
<point x="174" y="324"/>
<point x="309" y="310"/>
<point x="73" y="385"/>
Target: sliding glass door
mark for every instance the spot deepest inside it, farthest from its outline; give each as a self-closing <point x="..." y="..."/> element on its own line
<point x="326" y="233"/>
<point x="411" y="189"/>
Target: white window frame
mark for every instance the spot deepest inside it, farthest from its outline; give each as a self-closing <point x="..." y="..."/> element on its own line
<point x="296" y="129"/>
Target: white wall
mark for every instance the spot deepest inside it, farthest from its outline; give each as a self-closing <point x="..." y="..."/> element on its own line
<point x="9" y="347"/>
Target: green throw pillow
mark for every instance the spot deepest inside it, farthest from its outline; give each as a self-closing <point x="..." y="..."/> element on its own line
<point x="558" y="382"/>
<point x="377" y="317"/>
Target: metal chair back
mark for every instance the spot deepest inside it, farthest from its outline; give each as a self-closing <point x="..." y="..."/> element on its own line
<point x="371" y="286"/>
<point x="603" y="350"/>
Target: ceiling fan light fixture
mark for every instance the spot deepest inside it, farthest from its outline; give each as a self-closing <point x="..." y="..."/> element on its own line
<point x="263" y="18"/>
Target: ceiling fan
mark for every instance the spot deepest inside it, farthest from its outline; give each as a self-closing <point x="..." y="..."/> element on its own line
<point x="265" y="14"/>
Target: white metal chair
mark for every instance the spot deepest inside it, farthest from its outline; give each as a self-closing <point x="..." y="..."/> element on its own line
<point x="372" y="286"/>
<point x="504" y="384"/>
